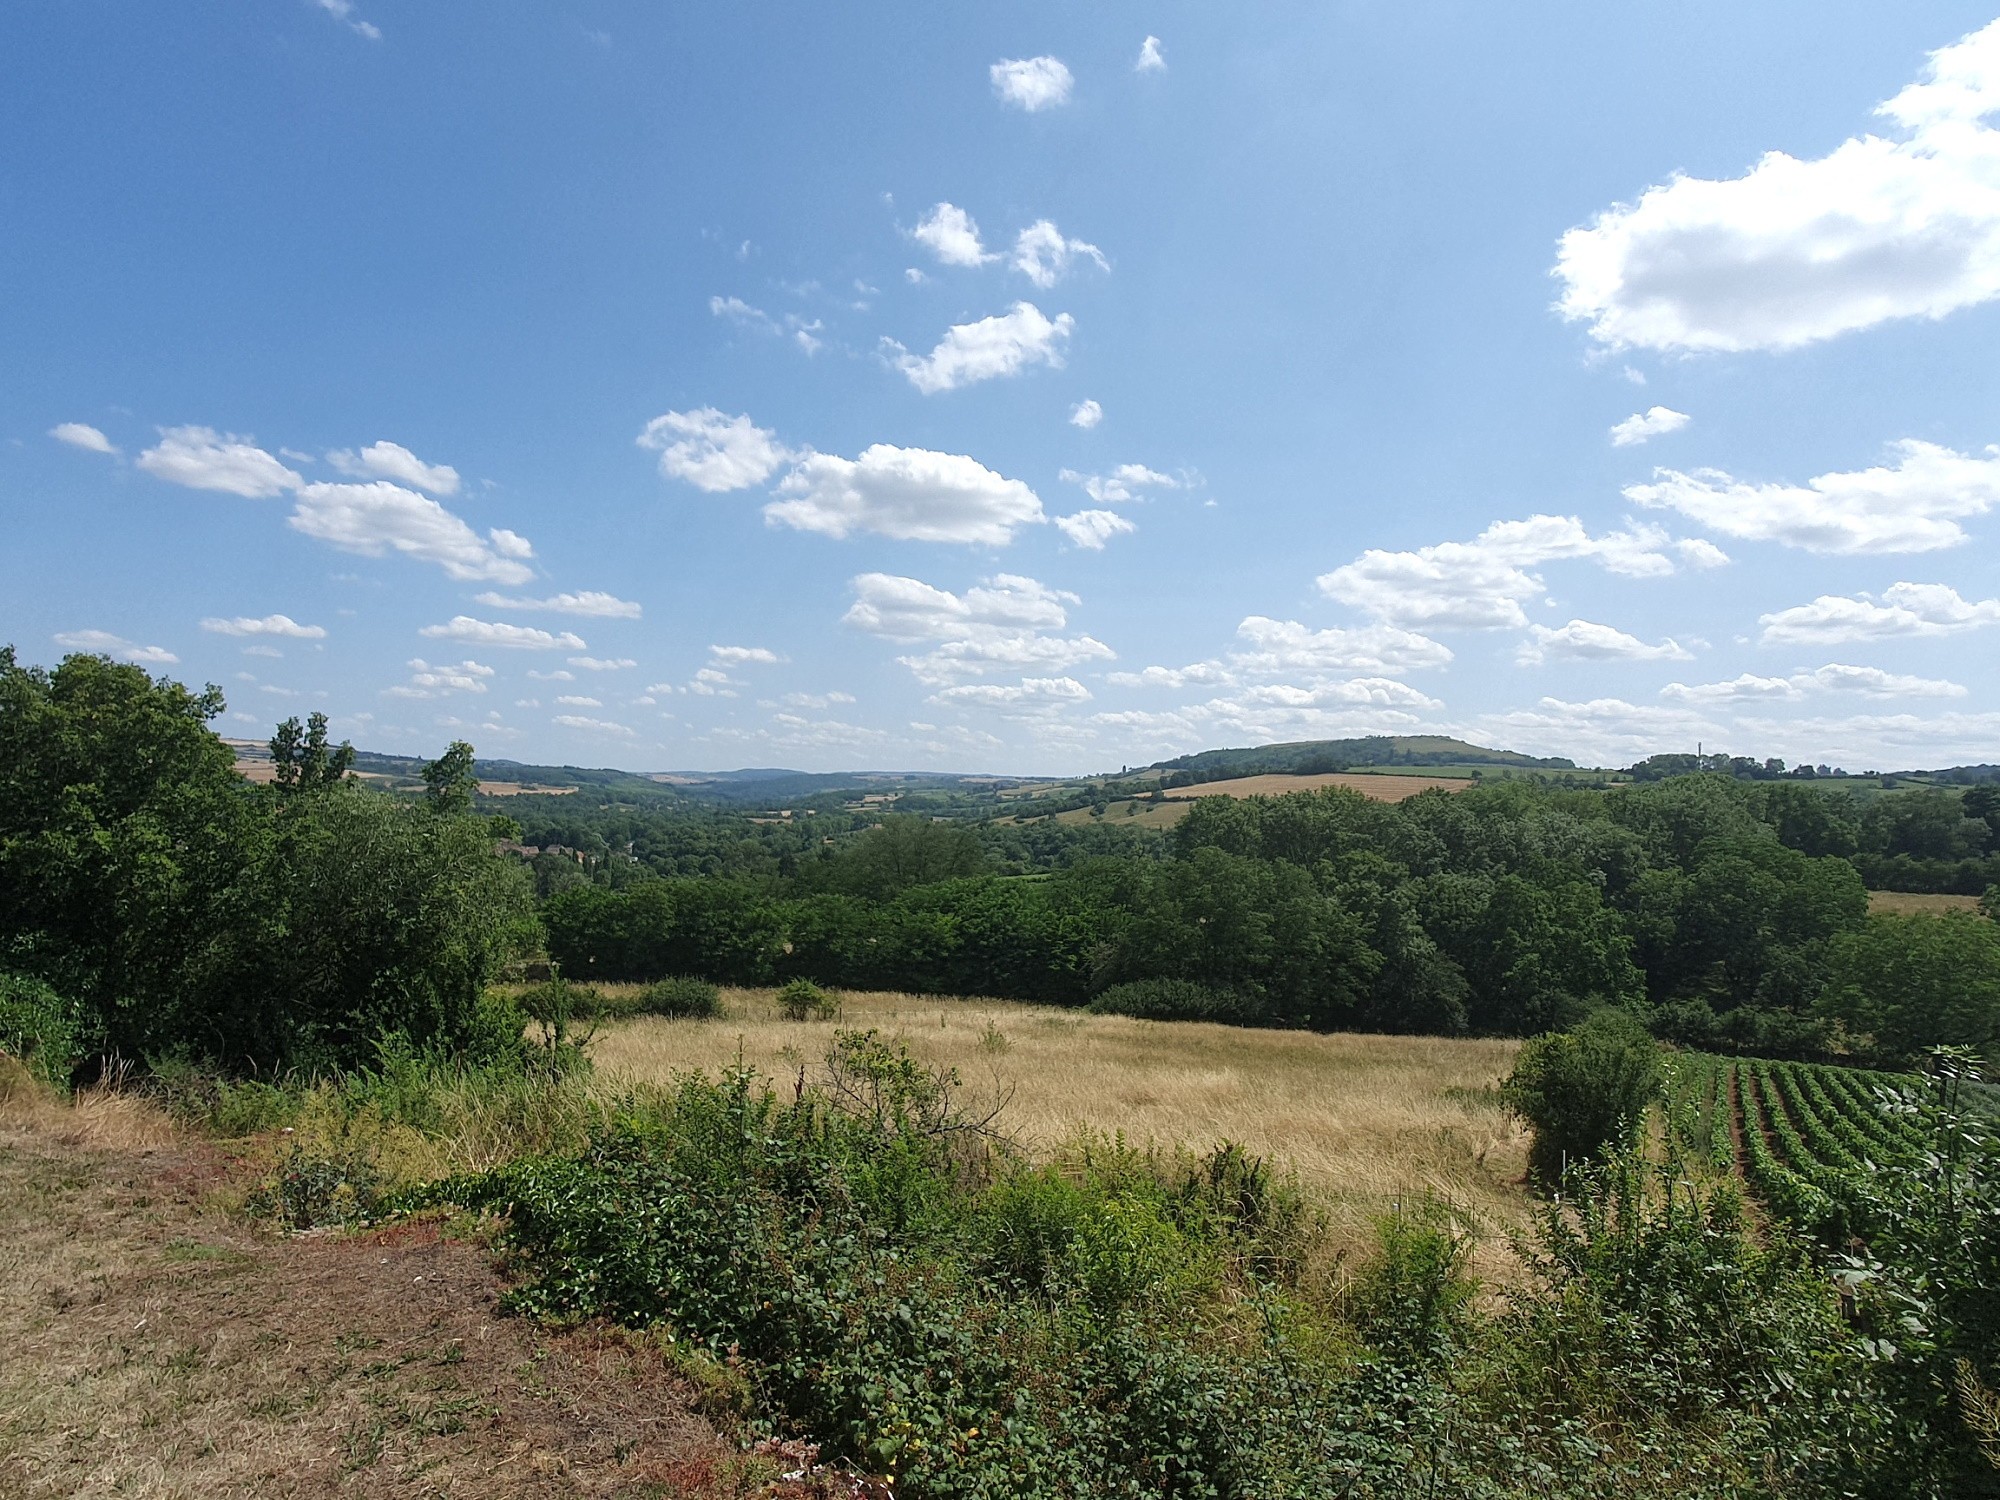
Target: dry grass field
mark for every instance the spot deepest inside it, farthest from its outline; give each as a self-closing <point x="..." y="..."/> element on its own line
<point x="1903" y="903"/>
<point x="1361" y="1120"/>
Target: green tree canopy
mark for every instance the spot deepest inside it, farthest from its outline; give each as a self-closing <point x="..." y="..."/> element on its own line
<point x="1904" y="983"/>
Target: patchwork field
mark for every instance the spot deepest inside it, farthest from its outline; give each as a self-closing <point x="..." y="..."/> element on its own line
<point x="1383" y="788"/>
<point x="1361" y="1120"/>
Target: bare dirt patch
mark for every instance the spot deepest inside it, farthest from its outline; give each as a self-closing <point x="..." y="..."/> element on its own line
<point x="156" y="1347"/>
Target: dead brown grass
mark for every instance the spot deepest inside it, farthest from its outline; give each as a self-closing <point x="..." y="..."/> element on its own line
<point x="1362" y="1120"/>
<point x="99" y="1118"/>
<point x="1904" y="903"/>
<point x="155" y="1348"/>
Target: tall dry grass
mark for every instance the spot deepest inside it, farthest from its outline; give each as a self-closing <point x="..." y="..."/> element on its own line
<point x="1363" y="1121"/>
<point x="102" y="1118"/>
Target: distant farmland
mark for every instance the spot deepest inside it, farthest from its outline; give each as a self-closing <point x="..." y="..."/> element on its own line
<point x="1384" y="788"/>
<point x="1143" y="812"/>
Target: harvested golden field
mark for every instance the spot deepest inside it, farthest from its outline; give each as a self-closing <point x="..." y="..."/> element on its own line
<point x="1903" y="903"/>
<point x="1362" y="1120"/>
<point x="1384" y="788"/>
<point x="522" y="789"/>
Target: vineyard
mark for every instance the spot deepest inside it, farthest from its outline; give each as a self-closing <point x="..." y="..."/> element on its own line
<point x="1805" y="1137"/>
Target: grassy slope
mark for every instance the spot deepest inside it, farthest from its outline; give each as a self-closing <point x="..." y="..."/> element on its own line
<point x="1363" y="1120"/>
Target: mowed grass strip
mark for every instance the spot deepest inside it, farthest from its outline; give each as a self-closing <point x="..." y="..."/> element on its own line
<point x="1364" y="1121"/>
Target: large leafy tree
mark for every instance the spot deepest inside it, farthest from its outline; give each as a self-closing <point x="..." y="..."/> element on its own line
<point x="177" y="908"/>
<point x="128" y="847"/>
<point x="1904" y="983"/>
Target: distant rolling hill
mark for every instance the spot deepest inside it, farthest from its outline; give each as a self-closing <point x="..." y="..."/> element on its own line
<point x="1318" y="757"/>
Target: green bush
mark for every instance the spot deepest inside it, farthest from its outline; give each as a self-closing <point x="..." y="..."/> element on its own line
<point x="802" y="1000"/>
<point x="1584" y="1092"/>
<point x="1415" y="1300"/>
<point x="1177" y="1000"/>
<point x="681" y="999"/>
<point x="40" y="1028"/>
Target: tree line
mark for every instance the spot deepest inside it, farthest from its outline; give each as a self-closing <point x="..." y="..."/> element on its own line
<point x="155" y="902"/>
<point x="1725" y="914"/>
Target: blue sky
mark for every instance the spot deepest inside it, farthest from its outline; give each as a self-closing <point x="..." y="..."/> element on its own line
<point x="1025" y="388"/>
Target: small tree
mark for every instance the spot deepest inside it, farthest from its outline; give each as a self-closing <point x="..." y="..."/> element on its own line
<point x="1584" y="1091"/>
<point x="450" y="780"/>
<point x="304" y="760"/>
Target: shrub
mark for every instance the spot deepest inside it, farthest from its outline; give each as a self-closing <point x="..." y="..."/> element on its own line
<point x="802" y="1000"/>
<point x="1177" y="1000"/>
<point x="681" y="999"/>
<point x="1416" y="1301"/>
<point x="39" y="1028"/>
<point x="565" y="1016"/>
<point x="1584" y="1092"/>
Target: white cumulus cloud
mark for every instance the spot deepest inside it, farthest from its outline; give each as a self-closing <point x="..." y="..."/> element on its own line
<point x="1091" y="529"/>
<point x="738" y="656"/>
<point x="1004" y="622"/>
<point x="428" y="681"/>
<point x="203" y="459"/>
<point x="81" y="435"/>
<point x="283" y="625"/>
<point x="1151" y="58"/>
<point x="714" y="452"/>
<point x="498" y="633"/>
<point x="1123" y="484"/>
<point x="1029" y="696"/>
<point x="1586" y="640"/>
<point x="104" y="643"/>
<point x="1796" y="251"/>
<point x="909" y="494"/>
<point x="377" y="518"/>
<point x="343" y="12"/>
<point x="1086" y="414"/>
<point x="989" y="349"/>
<point x="1032" y="83"/>
<point x="950" y="234"/>
<point x="386" y="460"/>
<point x="1043" y="256"/>
<point x="1902" y="609"/>
<point x="602" y="663"/>
<point x="589" y="603"/>
<point x="594" y="726"/>
<point x="1481" y="584"/>
<point x="1834" y="677"/>
<point x="1912" y="505"/>
<point x="1287" y="646"/>
<point x="1654" y="421"/>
